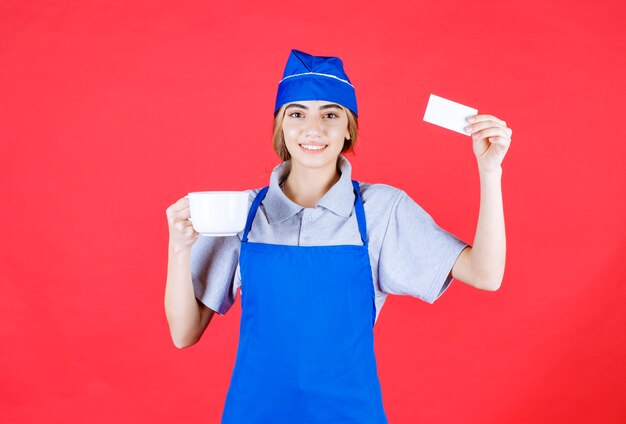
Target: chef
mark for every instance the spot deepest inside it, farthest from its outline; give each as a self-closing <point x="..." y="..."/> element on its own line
<point x="318" y="256"/>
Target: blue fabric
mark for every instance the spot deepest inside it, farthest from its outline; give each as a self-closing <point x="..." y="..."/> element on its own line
<point x="303" y="356"/>
<point x="308" y="77"/>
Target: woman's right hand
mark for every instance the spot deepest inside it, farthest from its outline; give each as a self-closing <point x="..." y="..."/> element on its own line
<point x="186" y="316"/>
<point x="182" y="234"/>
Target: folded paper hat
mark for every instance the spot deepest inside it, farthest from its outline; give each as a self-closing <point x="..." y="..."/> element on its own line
<point x="308" y="77"/>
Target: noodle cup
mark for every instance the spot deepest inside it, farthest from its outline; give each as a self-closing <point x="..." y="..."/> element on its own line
<point x="218" y="213"/>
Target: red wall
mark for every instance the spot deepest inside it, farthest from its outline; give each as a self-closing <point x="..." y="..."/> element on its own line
<point x="112" y="110"/>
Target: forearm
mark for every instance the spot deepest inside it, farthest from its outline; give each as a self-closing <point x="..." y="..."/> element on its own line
<point x="489" y="248"/>
<point x="181" y="306"/>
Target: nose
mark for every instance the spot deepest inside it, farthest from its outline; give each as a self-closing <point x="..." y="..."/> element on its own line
<point x="312" y="126"/>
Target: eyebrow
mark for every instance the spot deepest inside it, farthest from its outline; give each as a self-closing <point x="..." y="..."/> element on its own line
<point x="328" y="106"/>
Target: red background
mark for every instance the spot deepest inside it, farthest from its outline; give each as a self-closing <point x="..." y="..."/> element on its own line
<point x="110" y="111"/>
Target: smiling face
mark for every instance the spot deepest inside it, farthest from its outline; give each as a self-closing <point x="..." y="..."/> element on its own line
<point x="315" y="131"/>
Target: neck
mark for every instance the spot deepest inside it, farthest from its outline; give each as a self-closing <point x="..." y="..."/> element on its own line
<point x="306" y="186"/>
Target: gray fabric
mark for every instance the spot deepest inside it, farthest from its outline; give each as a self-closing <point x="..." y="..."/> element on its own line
<point x="409" y="253"/>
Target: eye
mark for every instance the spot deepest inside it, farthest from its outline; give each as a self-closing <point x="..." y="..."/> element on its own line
<point x="294" y="113"/>
<point x="334" y="114"/>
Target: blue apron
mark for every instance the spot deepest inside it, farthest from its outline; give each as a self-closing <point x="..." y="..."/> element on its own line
<point x="306" y="343"/>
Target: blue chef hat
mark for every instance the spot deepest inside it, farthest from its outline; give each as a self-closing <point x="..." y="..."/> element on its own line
<point x="308" y="77"/>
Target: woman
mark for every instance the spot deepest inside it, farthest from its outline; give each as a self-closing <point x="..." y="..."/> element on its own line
<point x="317" y="258"/>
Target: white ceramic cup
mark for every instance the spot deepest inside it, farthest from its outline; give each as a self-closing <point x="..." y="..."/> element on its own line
<point x="218" y="213"/>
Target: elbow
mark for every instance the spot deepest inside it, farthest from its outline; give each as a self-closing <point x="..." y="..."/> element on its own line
<point x="182" y="332"/>
<point x="183" y="336"/>
<point x="489" y="282"/>
<point x="487" y="277"/>
<point x="183" y="342"/>
<point x="493" y="286"/>
<point x="181" y="346"/>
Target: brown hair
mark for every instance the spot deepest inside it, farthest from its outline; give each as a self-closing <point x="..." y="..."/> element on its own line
<point x="278" y="138"/>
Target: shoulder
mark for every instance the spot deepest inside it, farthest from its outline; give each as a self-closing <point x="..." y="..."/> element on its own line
<point x="380" y="202"/>
<point x="378" y="193"/>
<point x="391" y="202"/>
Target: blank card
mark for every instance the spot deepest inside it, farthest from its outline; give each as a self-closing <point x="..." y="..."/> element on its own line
<point x="448" y="114"/>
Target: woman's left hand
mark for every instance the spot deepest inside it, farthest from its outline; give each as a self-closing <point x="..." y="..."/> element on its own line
<point x="491" y="140"/>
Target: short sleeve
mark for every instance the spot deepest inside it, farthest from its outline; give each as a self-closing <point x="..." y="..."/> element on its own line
<point x="417" y="255"/>
<point x="214" y="261"/>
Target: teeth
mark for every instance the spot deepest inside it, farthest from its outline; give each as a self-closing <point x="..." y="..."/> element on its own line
<point x="312" y="147"/>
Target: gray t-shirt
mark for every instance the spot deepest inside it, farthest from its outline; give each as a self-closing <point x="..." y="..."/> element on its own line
<point x="409" y="253"/>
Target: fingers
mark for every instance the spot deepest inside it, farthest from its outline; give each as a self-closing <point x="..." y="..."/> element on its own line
<point x="178" y="208"/>
<point x="474" y="119"/>
<point x="485" y="124"/>
<point x="502" y="141"/>
<point x="182" y="233"/>
<point x="504" y="133"/>
<point x="183" y="213"/>
<point x="182" y="225"/>
<point x="488" y="126"/>
<point x="178" y="215"/>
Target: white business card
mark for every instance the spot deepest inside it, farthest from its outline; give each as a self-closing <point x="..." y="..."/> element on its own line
<point x="448" y="114"/>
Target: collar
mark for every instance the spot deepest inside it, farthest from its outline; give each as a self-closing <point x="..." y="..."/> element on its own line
<point x="339" y="199"/>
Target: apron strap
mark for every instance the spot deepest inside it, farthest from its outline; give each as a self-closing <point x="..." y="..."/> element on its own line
<point x="360" y="212"/>
<point x="255" y="205"/>
<point x="358" y="207"/>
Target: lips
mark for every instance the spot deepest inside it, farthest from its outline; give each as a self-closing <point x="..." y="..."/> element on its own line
<point x="313" y="147"/>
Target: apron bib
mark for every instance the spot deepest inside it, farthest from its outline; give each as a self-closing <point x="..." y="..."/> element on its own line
<point x="306" y="345"/>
